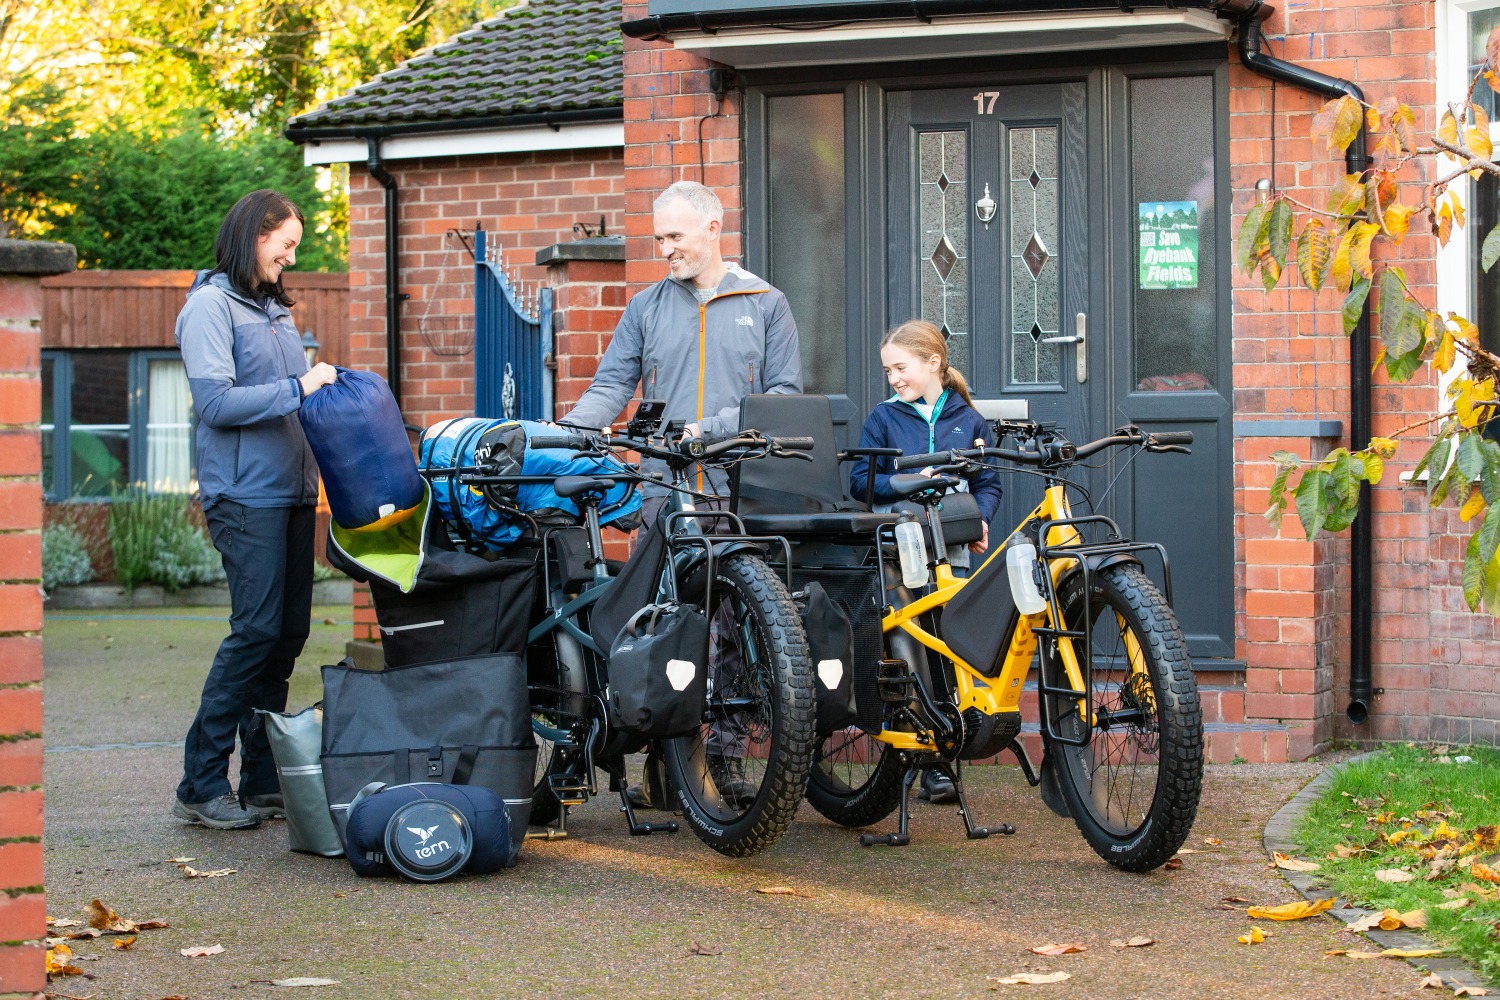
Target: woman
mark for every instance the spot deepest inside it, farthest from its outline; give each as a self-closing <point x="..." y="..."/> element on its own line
<point x="259" y="487"/>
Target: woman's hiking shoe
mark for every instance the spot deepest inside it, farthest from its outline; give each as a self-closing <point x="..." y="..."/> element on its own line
<point x="268" y="806"/>
<point x="222" y="813"/>
<point x="937" y="787"/>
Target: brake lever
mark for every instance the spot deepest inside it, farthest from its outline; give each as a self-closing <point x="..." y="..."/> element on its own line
<point x="1178" y="448"/>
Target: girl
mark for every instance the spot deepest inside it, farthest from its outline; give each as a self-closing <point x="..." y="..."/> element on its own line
<point x="930" y="411"/>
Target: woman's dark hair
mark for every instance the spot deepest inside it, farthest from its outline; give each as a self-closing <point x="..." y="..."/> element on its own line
<point x="254" y="215"/>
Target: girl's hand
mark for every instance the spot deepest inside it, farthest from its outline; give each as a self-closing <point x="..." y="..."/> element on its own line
<point x="317" y="376"/>
<point x="979" y="547"/>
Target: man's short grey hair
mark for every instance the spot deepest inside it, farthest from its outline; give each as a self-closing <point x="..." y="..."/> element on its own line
<point x="702" y="199"/>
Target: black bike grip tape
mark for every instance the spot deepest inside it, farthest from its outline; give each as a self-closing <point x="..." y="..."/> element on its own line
<point x="922" y="461"/>
<point x="1173" y="437"/>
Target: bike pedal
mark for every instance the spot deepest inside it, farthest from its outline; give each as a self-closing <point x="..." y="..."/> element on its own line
<point x="568" y="792"/>
<point x="893" y="681"/>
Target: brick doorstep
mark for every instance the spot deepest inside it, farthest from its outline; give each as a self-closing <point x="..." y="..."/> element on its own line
<point x="1279" y="835"/>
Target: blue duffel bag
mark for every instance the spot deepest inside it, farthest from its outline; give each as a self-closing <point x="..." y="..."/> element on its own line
<point x="355" y="430"/>
<point x="428" y="832"/>
<point x="494" y="515"/>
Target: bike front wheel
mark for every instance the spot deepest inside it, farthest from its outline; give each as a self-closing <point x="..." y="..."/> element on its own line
<point x="1133" y="789"/>
<point x="741" y="776"/>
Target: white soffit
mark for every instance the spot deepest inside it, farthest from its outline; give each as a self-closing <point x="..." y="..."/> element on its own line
<point x="512" y="140"/>
<point x="951" y="38"/>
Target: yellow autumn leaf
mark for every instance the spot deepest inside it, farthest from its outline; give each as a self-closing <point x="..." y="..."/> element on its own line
<point x="1472" y="507"/>
<point x="124" y="942"/>
<point x="1456" y="904"/>
<point x="1135" y="942"/>
<point x="1414" y="919"/>
<point x="1292" y="864"/>
<point x="58" y="963"/>
<point x="1410" y="952"/>
<point x="102" y="918"/>
<point x="1360" y="235"/>
<point x="1030" y="978"/>
<point x="1484" y="872"/>
<point x="777" y="890"/>
<point x="1290" y="911"/>
<point x="1256" y="936"/>
<point x="1442" y="358"/>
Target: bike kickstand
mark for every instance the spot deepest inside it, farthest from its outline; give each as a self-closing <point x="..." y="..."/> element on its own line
<point x="902" y="836"/>
<point x="639" y="829"/>
<point x="974" y="832"/>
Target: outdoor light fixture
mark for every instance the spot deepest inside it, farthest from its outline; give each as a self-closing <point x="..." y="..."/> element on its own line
<point x="1263" y="190"/>
<point x="310" y="347"/>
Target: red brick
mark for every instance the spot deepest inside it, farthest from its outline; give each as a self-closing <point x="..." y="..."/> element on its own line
<point x="20" y="350"/>
<point x="24" y="917"/>
<point x="20" y="816"/>
<point x="20" y="710"/>
<point x="20" y="505"/>
<point x="21" y="863"/>
<point x="20" y="399"/>
<point x="21" y="762"/>
<point x="20" y="659"/>
<point x="20" y="607"/>
<point x="20" y="453"/>
<point x="23" y="968"/>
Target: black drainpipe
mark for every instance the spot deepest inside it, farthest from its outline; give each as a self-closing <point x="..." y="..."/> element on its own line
<point x="392" y="296"/>
<point x="1356" y="161"/>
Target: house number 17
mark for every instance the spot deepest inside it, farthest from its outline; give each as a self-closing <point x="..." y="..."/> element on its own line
<point x="985" y="100"/>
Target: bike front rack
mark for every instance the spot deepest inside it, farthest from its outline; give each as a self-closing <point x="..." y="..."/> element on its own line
<point x="1086" y="555"/>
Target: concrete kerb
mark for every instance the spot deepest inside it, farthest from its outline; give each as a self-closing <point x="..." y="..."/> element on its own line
<point x="1280" y="836"/>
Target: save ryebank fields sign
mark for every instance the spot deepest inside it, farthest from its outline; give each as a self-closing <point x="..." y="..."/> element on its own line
<point x="1168" y="244"/>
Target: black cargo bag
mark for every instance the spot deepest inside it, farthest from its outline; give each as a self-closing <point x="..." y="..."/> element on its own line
<point x="464" y="721"/>
<point x="432" y="601"/>
<point x="830" y="644"/>
<point x="658" y="672"/>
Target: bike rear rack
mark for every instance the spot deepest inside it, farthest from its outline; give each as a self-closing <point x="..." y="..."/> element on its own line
<point x="1086" y="555"/>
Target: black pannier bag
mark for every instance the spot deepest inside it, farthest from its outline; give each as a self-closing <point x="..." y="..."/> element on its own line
<point x="658" y="672"/>
<point x="464" y="721"/>
<point x="432" y="601"/>
<point x="830" y="642"/>
<point x="634" y="587"/>
<point x="428" y="832"/>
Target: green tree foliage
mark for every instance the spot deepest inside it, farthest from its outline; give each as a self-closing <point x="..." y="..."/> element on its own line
<point x="1334" y="246"/>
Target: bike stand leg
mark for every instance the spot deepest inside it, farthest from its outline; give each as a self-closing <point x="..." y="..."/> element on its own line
<point x="639" y="829"/>
<point x="902" y="836"/>
<point x="560" y="832"/>
<point x="973" y="832"/>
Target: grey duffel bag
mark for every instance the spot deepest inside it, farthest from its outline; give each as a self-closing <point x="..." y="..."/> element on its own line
<point x="296" y="743"/>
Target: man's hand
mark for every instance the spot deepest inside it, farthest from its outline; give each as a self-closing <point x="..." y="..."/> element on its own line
<point x="317" y="376"/>
<point x="692" y="431"/>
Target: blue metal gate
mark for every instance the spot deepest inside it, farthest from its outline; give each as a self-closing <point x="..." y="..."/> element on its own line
<point x="512" y="340"/>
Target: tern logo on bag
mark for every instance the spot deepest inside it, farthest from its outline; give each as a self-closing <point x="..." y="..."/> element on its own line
<point x="424" y="834"/>
<point x="427" y="852"/>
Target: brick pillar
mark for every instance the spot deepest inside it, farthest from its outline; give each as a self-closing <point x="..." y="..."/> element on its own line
<point x="23" y="907"/>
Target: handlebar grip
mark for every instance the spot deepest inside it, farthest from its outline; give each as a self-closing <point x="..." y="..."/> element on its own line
<point x="575" y="442"/>
<point x="1173" y="437"/>
<point x="922" y="461"/>
<point x="794" y="443"/>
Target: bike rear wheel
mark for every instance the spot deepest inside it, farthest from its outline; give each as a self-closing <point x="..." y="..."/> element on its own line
<point x="855" y="779"/>
<point x="1133" y="790"/>
<point x="741" y="776"/>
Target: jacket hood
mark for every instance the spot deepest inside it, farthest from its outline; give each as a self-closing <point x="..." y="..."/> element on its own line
<point x="736" y="279"/>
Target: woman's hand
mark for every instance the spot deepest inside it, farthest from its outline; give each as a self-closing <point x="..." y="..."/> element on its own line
<point x="317" y="376"/>
<point x="979" y="547"/>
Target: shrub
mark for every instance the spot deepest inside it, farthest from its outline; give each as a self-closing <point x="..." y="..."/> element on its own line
<point x="155" y="540"/>
<point x="65" y="558"/>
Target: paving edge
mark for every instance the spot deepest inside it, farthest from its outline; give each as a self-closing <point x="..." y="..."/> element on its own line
<point x="1279" y="836"/>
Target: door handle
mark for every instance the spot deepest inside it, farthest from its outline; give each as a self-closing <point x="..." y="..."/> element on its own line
<point x="1080" y="338"/>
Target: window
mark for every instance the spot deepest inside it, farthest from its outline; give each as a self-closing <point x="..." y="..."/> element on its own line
<point x="112" y="419"/>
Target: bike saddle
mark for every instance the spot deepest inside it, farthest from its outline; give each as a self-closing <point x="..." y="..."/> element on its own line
<point x="911" y="483"/>
<point x="572" y="486"/>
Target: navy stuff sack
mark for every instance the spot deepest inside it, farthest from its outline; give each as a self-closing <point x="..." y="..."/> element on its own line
<point x="354" y="428"/>
<point x="428" y="832"/>
<point x="493" y="515"/>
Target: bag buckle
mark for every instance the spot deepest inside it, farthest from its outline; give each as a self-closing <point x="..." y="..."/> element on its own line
<point x="435" y="762"/>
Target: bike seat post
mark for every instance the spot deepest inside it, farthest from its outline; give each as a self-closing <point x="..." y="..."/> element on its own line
<point x="590" y="501"/>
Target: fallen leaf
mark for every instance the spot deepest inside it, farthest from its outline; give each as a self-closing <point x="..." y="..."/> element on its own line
<point x="1058" y="949"/>
<point x="1433" y="982"/>
<point x="1364" y="954"/>
<point x="1411" y="952"/>
<point x="1291" y="864"/>
<point x="151" y="925"/>
<point x="83" y="935"/>
<point x="706" y="950"/>
<point x="778" y="890"/>
<point x="1414" y="919"/>
<point x="1335" y="951"/>
<point x="199" y="951"/>
<point x="1256" y="936"/>
<point x="1187" y="850"/>
<point x="1455" y="904"/>
<point x="1345" y="851"/>
<point x="1030" y="978"/>
<point x="1173" y="863"/>
<point x="1213" y="841"/>
<point x="58" y="964"/>
<point x="1393" y="875"/>
<point x="64" y="922"/>
<point x="1290" y="911"/>
<point x="124" y="942"/>
<point x="302" y="981"/>
<point x="106" y="920"/>
<point x="216" y="873"/>
<point x="1235" y="899"/>
<point x="1470" y="991"/>
<point x="1135" y="942"/>
<point x="1484" y="872"/>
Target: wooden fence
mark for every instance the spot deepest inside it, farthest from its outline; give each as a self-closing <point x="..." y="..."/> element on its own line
<point x="138" y="309"/>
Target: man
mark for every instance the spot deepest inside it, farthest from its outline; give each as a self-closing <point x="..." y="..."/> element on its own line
<point x="700" y="340"/>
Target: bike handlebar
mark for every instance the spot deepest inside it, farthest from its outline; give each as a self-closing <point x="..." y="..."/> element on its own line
<point x="1054" y="450"/>
<point x="690" y="449"/>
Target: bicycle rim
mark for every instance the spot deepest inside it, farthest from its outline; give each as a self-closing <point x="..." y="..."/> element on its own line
<point x="855" y="779"/>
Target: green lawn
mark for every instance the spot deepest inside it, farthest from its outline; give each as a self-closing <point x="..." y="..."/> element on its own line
<point x="1422" y="810"/>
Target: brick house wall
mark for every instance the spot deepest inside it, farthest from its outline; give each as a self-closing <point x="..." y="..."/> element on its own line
<point x="1291" y="361"/>
<point x="526" y="201"/>
<point x="23" y="905"/>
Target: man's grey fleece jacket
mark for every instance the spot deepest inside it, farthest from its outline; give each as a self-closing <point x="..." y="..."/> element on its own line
<point x="702" y="359"/>
<point x="243" y="359"/>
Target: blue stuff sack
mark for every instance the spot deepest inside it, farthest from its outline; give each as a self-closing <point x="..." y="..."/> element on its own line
<point x="495" y="515"/>
<point x="428" y="832"/>
<point x="356" y="433"/>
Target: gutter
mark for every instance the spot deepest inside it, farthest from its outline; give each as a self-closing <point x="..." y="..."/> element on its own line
<point x="392" y="271"/>
<point x="661" y="26"/>
<point x="554" y="120"/>
<point x="1356" y="161"/>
